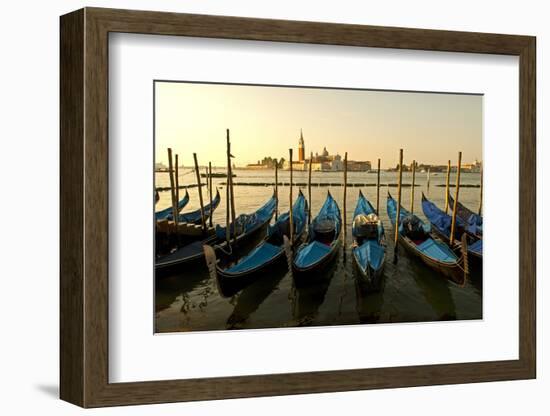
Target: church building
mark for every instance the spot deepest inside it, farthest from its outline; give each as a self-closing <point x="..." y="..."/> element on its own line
<point x="301" y="148"/>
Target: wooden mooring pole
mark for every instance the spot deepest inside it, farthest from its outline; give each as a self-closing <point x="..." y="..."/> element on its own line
<point x="309" y="189"/>
<point x="453" y="219"/>
<point x="227" y="195"/>
<point x="210" y="192"/>
<point x="398" y="213"/>
<point x="291" y="222"/>
<point x="203" y="219"/>
<point x="276" y="189"/>
<point x="480" y="210"/>
<point x="378" y="188"/>
<point x="447" y="184"/>
<point x="177" y="184"/>
<point x="172" y="187"/>
<point x="230" y="181"/>
<point x="412" y="186"/>
<point x="345" y="197"/>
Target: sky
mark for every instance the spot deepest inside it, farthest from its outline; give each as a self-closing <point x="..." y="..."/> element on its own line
<point x="266" y="121"/>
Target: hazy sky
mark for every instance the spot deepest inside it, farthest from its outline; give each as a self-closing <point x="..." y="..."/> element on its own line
<point x="266" y="121"/>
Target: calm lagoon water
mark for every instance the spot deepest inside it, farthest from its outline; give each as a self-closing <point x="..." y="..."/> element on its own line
<point x="189" y="300"/>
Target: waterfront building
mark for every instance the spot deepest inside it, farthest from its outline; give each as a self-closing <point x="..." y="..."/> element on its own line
<point x="301" y="148"/>
<point x="359" y="166"/>
<point x="324" y="162"/>
<point x="472" y="167"/>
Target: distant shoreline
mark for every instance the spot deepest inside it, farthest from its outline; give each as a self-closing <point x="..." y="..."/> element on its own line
<point x="336" y="184"/>
<point x="371" y="172"/>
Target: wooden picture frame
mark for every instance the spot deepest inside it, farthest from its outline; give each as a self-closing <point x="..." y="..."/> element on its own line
<point x="84" y="207"/>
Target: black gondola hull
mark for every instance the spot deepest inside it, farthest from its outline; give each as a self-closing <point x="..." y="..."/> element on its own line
<point x="452" y="271"/>
<point x="368" y="278"/>
<point x="231" y="283"/>
<point x="195" y="254"/>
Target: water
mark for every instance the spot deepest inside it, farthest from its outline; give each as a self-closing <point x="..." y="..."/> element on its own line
<point x="410" y="292"/>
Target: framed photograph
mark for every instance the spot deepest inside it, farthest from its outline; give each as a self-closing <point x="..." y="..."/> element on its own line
<point x="255" y="207"/>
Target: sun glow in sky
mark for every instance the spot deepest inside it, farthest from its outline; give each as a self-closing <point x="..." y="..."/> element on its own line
<point x="266" y="121"/>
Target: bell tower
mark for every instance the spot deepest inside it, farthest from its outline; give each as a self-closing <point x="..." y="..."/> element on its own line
<point x="301" y="148"/>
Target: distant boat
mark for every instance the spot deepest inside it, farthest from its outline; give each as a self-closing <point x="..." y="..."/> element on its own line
<point x="217" y="175"/>
<point x="194" y="217"/>
<point x="167" y="213"/>
<point x="415" y="237"/>
<point x="323" y="241"/>
<point x="369" y="243"/>
<point x="247" y="227"/>
<point x="268" y="252"/>
<point x="441" y="225"/>
<point x="468" y="216"/>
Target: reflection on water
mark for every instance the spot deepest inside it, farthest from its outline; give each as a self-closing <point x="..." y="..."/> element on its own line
<point x="190" y="300"/>
<point x="369" y="302"/>
<point x="251" y="298"/>
<point x="437" y="293"/>
<point x="307" y="299"/>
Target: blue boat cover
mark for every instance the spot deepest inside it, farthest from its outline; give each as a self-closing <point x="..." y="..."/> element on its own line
<point x="403" y="213"/>
<point x="314" y="251"/>
<point x="266" y="252"/>
<point x="329" y="211"/>
<point x="299" y="217"/>
<point x="467" y="215"/>
<point x="370" y="251"/>
<point x="437" y="250"/>
<point x="167" y="212"/>
<point x="442" y="222"/>
<point x="194" y="217"/>
<point x="247" y="222"/>
<point x="434" y="249"/>
<point x="476" y="247"/>
<point x="311" y="253"/>
<point x="262" y="254"/>
<point x="363" y="206"/>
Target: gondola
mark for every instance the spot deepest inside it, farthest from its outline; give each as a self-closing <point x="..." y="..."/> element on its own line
<point x="268" y="253"/>
<point x="194" y="217"/>
<point x="247" y="227"/>
<point x="415" y="237"/>
<point x="321" y="246"/>
<point x="441" y="225"/>
<point x="468" y="216"/>
<point x="166" y="213"/>
<point x="369" y="243"/>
